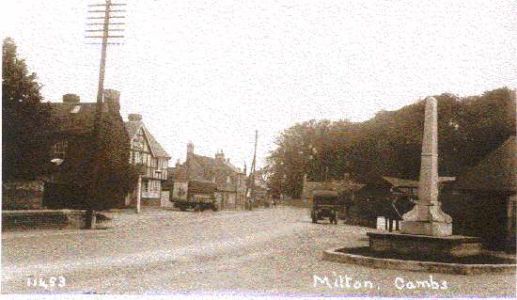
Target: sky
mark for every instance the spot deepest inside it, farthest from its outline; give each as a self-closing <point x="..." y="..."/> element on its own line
<point x="214" y="71"/>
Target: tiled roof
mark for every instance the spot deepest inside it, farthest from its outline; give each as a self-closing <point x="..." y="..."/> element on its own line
<point x="496" y="172"/>
<point x="156" y="148"/>
<point x="132" y="128"/>
<point x="211" y="164"/>
<point x="73" y="117"/>
<point x="204" y="187"/>
<point x="178" y="173"/>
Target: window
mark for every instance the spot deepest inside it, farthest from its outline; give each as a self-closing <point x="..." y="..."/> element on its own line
<point x="76" y="109"/>
<point x="139" y="141"/>
<point x="137" y="158"/>
<point x="59" y="149"/>
<point x="156" y="186"/>
<point x="145" y="186"/>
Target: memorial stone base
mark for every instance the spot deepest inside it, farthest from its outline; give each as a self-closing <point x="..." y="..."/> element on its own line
<point x="453" y="245"/>
<point x="426" y="228"/>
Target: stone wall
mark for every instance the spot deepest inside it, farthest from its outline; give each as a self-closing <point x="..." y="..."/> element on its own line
<point x="42" y="219"/>
<point x="22" y="195"/>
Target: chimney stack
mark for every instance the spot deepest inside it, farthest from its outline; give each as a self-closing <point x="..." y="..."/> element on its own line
<point x="71" y="98"/>
<point x="112" y="98"/>
<point x="190" y="148"/>
<point x="134" y="117"/>
<point x="219" y="155"/>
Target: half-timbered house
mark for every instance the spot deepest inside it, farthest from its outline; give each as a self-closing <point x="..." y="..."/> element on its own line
<point x="152" y="160"/>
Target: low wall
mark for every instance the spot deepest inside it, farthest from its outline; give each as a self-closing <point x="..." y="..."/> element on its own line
<point x="42" y="219"/>
<point x="22" y="194"/>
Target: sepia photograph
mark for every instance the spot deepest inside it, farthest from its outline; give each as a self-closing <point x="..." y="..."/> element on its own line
<point x="274" y="149"/>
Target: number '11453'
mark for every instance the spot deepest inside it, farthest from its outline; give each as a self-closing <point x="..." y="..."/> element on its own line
<point x="46" y="283"/>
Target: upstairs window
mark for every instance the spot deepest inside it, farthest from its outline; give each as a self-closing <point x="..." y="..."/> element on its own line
<point x="139" y="141"/>
<point x="59" y="150"/>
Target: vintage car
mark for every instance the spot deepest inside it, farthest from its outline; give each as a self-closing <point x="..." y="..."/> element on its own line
<point x="325" y="204"/>
<point x="196" y="203"/>
<point x="200" y="197"/>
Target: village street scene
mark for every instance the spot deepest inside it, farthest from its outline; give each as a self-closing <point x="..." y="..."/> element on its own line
<point x="258" y="150"/>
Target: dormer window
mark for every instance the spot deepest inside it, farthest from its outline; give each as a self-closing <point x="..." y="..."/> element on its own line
<point x="76" y="109"/>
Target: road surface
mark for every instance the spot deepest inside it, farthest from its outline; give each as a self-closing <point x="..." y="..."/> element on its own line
<point x="274" y="251"/>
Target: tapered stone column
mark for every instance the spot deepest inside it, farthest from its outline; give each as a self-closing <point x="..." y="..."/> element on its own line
<point x="426" y="217"/>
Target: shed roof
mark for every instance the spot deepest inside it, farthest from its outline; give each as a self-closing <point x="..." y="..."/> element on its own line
<point x="496" y="172"/>
<point x="399" y="182"/>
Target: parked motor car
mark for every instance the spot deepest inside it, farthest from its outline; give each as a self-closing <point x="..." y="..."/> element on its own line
<point x="197" y="204"/>
<point x="325" y="205"/>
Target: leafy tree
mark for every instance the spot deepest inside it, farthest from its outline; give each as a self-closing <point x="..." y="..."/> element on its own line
<point x="24" y="117"/>
<point x="390" y="143"/>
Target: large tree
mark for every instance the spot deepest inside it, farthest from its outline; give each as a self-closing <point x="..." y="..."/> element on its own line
<point x="389" y="144"/>
<point x="24" y="118"/>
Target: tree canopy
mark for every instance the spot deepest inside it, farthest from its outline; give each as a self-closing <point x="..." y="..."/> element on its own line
<point x="24" y="117"/>
<point x="389" y="144"/>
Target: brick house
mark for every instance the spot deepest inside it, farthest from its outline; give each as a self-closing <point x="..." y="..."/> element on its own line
<point x="184" y="189"/>
<point x="148" y="153"/>
<point x="68" y="171"/>
<point x="199" y="171"/>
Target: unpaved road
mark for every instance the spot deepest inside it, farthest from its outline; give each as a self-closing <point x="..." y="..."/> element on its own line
<point x="263" y="252"/>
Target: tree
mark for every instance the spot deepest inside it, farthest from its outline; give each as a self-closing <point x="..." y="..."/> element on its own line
<point x="389" y="144"/>
<point x="24" y="117"/>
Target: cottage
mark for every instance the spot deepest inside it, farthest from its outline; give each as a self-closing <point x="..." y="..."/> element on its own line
<point x="197" y="170"/>
<point x="153" y="161"/>
<point x="68" y="171"/>
<point x="488" y="206"/>
<point x="191" y="190"/>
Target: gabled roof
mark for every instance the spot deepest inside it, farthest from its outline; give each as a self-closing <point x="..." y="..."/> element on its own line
<point x="496" y="172"/>
<point x="177" y="173"/>
<point x="156" y="148"/>
<point x="132" y="128"/>
<point x="209" y="164"/>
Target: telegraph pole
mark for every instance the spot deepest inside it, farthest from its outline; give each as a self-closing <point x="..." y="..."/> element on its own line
<point x="105" y="10"/>
<point x="251" y="184"/>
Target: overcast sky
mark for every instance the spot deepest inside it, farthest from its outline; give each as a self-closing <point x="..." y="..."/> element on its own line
<point x="212" y="72"/>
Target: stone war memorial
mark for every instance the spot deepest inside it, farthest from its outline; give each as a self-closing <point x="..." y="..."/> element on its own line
<point x="425" y="241"/>
<point x="426" y="229"/>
